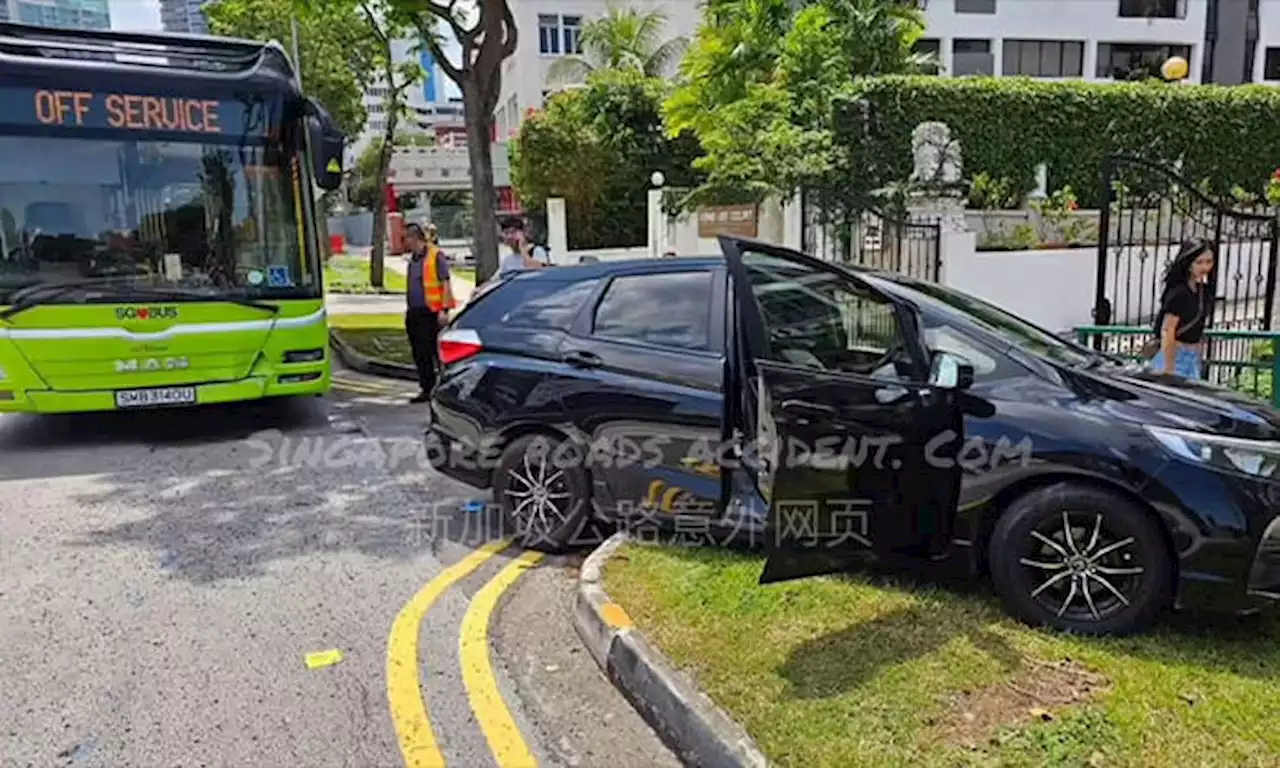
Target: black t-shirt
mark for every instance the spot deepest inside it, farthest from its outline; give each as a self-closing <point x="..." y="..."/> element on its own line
<point x="1191" y="308"/>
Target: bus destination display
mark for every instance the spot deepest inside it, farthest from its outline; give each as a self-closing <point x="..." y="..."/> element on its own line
<point x="132" y="112"/>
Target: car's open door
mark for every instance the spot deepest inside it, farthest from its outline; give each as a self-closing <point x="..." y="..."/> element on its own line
<point x="853" y="426"/>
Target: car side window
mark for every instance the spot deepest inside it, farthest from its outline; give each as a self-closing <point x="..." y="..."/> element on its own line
<point x="821" y="320"/>
<point x="531" y="303"/>
<point x="670" y="309"/>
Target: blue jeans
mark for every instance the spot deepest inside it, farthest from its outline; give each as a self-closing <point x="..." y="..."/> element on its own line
<point x="1186" y="362"/>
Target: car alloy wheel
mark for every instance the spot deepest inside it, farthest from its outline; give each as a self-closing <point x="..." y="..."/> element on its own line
<point x="1085" y="570"/>
<point x="544" y="491"/>
<point x="538" y="494"/>
<point x="1082" y="559"/>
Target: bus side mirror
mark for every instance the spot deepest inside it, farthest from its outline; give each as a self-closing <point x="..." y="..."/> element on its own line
<point x="327" y="145"/>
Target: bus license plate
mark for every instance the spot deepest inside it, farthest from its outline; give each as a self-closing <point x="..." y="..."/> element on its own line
<point x="147" y="398"/>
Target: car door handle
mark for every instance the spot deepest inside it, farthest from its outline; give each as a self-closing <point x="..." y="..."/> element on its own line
<point x="806" y="408"/>
<point x="581" y="359"/>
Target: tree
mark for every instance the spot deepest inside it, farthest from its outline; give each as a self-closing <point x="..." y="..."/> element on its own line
<point x="385" y="26"/>
<point x="334" y="53"/>
<point x="596" y="147"/>
<point x="767" y="90"/>
<point x="623" y="38"/>
<point x="367" y="180"/>
<point x="486" y="35"/>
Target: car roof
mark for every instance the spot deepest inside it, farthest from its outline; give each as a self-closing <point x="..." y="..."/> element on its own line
<point x="604" y="268"/>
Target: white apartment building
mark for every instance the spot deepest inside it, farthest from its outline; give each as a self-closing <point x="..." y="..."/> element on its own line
<point x="436" y="103"/>
<point x="551" y="29"/>
<point x="1224" y="41"/>
<point x="1089" y="39"/>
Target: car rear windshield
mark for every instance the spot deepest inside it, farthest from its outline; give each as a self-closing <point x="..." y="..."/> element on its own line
<point x="529" y="301"/>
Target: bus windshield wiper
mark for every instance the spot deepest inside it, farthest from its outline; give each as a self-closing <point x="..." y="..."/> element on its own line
<point x="35" y="295"/>
<point x="160" y="293"/>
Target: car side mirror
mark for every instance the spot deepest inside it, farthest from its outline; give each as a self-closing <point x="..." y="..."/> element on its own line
<point x="327" y="144"/>
<point x="949" y="371"/>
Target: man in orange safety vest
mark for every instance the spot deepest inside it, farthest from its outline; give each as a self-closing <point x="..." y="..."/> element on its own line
<point x="430" y="298"/>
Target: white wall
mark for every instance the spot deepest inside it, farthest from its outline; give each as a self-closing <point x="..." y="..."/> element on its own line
<point x="1053" y="289"/>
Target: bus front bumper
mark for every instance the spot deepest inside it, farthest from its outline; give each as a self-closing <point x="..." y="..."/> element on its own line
<point x="251" y="388"/>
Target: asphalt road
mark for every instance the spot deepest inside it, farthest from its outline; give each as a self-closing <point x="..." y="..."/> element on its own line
<point x="163" y="577"/>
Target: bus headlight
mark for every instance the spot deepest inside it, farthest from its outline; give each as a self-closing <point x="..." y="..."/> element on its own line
<point x="3" y="375"/>
<point x="304" y="356"/>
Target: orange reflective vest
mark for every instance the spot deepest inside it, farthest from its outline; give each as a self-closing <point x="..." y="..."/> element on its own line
<point x="433" y="286"/>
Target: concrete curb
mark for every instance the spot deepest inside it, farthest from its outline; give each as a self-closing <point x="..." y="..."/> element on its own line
<point x="699" y="732"/>
<point x="359" y="362"/>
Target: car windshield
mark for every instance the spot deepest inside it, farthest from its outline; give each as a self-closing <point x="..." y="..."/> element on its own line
<point x="217" y="218"/>
<point x="1008" y="326"/>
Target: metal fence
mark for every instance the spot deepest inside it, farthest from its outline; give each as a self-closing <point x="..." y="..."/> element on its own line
<point x="1242" y="360"/>
<point x="874" y="240"/>
<point x="1151" y="211"/>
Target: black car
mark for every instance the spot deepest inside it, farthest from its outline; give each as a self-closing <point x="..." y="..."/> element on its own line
<point x="834" y="414"/>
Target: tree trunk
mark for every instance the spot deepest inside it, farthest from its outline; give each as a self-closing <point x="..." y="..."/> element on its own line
<point x="484" y="198"/>
<point x="377" y="265"/>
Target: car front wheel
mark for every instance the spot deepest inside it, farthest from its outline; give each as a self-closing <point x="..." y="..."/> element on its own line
<point x="1080" y="559"/>
<point x="543" y="490"/>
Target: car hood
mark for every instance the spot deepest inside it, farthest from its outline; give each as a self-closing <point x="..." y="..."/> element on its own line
<point x="1149" y="398"/>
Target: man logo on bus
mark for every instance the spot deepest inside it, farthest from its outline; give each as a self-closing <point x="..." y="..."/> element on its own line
<point x="147" y="313"/>
<point x="152" y="364"/>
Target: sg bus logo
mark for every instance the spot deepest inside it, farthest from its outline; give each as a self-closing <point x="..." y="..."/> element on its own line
<point x="147" y="313"/>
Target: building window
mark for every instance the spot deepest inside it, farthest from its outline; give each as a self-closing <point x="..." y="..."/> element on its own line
<point x="1271" y="65"/>
<point x="1043" y="58"/>
<point x="548" y="34"/>
<point x="572" y="27"/>
<point x="933" y="49"/>
<point x="975" y="6"/>
<point x="1153" y="9"/>
<point x="1136" y="61"/>
<point x="972" y="57"/>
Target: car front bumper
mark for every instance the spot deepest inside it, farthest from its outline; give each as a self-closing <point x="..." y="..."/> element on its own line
<point x="1225" y="533"/>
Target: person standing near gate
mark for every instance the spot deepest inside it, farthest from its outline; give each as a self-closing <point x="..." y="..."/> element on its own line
<point x="1185" y="307"/>
<point x="430" y="298"/>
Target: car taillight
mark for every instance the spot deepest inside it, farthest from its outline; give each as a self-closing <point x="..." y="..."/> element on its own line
<point x="458" y="345"/>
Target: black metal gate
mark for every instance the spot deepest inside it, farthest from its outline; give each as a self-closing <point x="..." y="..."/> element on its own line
<point x="1151" y="211"/>
<point x="875" y="241"/>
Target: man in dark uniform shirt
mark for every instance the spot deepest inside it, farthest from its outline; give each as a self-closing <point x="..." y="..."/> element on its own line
<point x="430" y="298"/>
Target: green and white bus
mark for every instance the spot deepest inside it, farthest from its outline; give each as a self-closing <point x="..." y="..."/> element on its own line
<point x="160" y="240"/>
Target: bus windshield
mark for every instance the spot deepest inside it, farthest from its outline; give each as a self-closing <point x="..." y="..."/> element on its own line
<point x="221" y="218"/>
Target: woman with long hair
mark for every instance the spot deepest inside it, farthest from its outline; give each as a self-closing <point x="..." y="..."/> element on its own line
<point x="1185" y="306"/>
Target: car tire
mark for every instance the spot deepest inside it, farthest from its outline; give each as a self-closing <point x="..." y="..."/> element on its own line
<point x="1111" y="577"/>
<point x="542" y="486"/>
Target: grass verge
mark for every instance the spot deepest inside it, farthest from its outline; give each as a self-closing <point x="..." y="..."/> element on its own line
<point x="380" y="336"/>
<point x="350" y="274"/>
<point x="841" y="671"/>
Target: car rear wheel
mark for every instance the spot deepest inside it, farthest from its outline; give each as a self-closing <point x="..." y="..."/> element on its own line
<point x="1080" y="559"/>
<point x="543" y="490"/>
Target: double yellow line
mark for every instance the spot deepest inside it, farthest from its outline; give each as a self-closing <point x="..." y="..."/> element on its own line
<point x="418" y="744"/>
<point x="365" y="387"/>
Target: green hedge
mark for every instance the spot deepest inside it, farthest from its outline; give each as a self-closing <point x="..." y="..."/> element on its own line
<point x="1006" y="126"/>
